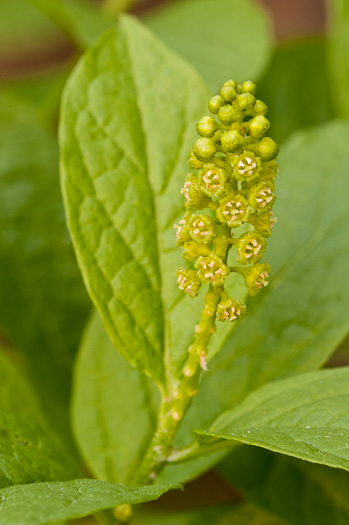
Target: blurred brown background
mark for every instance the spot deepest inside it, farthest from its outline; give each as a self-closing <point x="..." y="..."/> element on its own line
<point x="290" y="18"/>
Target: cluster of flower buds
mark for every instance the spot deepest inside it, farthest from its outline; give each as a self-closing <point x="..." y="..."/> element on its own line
<point x="233" y="180"/>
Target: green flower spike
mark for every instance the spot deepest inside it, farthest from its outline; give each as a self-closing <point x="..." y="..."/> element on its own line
<point x="250" y="247"/>
<point x="233" y="210"/>
<point x="194" y="196"/>
<point x="212" y="270"/>
<point x="229" y="309"/>
<point x="256" y="277"/>
<point x="188" y="281"/>
<point x="212" y="180"/>
<point x="201" y="228"/>
<point x="246" y="167"/>
<point x="261" y="196"/>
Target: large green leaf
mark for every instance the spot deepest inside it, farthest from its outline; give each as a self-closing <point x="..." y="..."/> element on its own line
<point x="43" y="304"/>
<point x="16" y="394"/>
<point x="306" y="417"/>
<point x="114" y="408"/>
<point x="296" y="88"/>
<point x="338" y="54"/>
<point x="29" y="455"/>
<point x="221" y="38"/>
<point x="128" y="122"/>
<point x="284" y="333"/>
<point x="299" y="492"/>
<point x="43" y="503"/>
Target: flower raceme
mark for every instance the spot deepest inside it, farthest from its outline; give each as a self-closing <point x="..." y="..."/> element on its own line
<point x="229" y="197"/>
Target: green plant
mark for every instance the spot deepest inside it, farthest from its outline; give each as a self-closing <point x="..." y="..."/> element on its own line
<point x="169" y="381"/>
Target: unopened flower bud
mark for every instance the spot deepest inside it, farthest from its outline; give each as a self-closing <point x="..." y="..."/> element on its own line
<point x="228" y="93"/>
<point x="201" y="228"/>
<point x="249" y="87"/>
<point x="267" y="149"/>
<point x="246" y="101"/>
<point x="233" y="210"/>
<point x="229" y="114"/>
<point x="260" y="108"/>
<point x="188" y="281"/>
<point x="193" y="162"/>
<point x="261" y="196"/>
<point x="232" y="141"/>
<point x="259" y="126"/>
<point x="215" y="104"/>
<point x="206" y="127"/>
<point x="250" y="248"/>
<point x="212" y="270"/>
<point x="229" y="309"/>
<point x="246" y="167"/>
<point x="204" y="149"/>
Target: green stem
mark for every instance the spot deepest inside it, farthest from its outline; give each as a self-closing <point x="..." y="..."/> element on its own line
<point x="174" y="405"/>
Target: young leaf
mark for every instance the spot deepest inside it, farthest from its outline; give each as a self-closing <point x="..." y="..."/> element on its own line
<point x="306" y="417"/>
<point x="16" y="394"/>
<point x="112" y="433"/>
<point x="220" y="38"/>
<point x="29" y="455"/>
<point x="43" y="304"/>
<point x="338" y="55"/>
<point x="43" y="503"/>
<point x="297" y="491"/>
<point x="127" y="125"/>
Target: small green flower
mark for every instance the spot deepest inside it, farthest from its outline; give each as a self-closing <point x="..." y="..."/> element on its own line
<point x="246" y="167"/>
<point x="188" y="281"/>
<point x="194" y="197"/>
<point x="261" y="196"/>
<point x="229" y="309"/>
<point x="201" y="228"/>
<point x="212" y="270"/>
<point x="212" y="180"/>
<point x="192" y="250"/>
<point x="256" y="277"/>
<point x="250" y="248"/>
<point x="262" y="223"/>
<point x="204" y="149"/>
<point x="182" y="233"/>
<point x="269" y="171"/>
<point x="233" y="210"/>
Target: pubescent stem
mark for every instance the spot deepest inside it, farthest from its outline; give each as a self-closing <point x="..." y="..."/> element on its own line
<point x="174" y="406"/>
